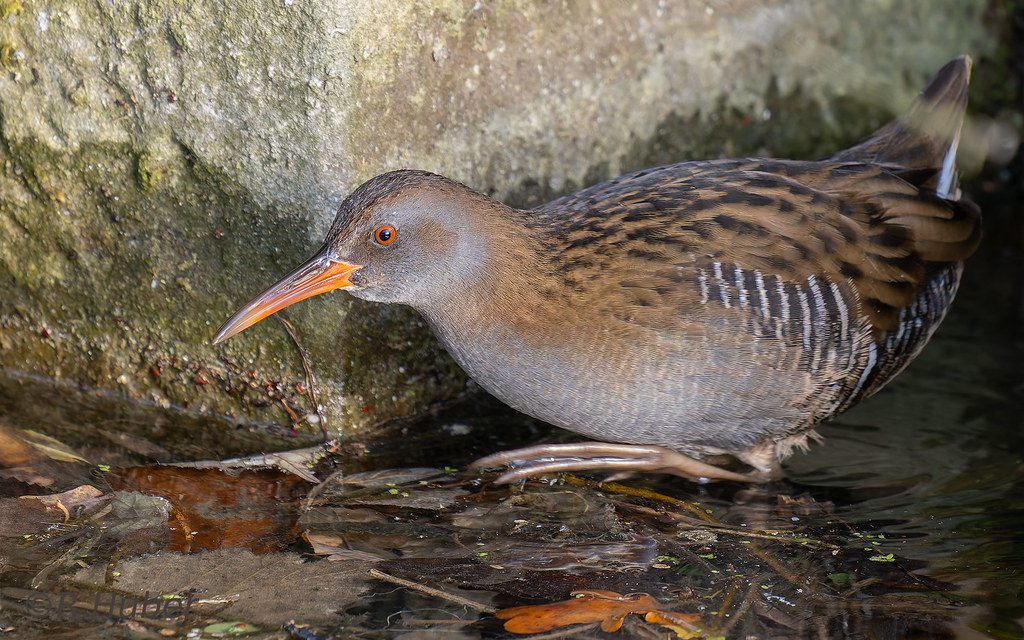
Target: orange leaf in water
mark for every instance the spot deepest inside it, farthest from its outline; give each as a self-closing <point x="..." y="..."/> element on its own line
<point x="679" y="623"/>
<point x="606" y="607"/>
<point x="254" y="509"/>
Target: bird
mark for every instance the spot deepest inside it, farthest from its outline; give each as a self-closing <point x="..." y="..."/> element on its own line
<point x="697" y="319"/>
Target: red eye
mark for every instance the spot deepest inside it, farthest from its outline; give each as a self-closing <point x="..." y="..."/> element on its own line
<point x="385" y="234"/>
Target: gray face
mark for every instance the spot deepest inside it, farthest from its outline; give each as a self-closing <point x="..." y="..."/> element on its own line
<point x="413" y="247"/>
<point x="401" y="237"/>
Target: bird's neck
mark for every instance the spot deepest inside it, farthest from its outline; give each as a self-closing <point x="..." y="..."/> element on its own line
<point x="514" y="280"/>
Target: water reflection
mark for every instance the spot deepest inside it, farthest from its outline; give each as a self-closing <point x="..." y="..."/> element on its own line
<point x="935" y="460"/>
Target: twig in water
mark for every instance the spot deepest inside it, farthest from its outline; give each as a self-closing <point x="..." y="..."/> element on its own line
<point x="309" y="374"/>
<point x="409" y="584"/>
<point x="735" y="616"/>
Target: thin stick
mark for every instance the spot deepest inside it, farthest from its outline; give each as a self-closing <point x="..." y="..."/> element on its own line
<point x="626" y="490"/>
<point x="318" y="489"/>
<point x="432" y="591"/>
<point x="735" y="616"/>
<point x="309" y="374"/>
<point x="562" y="633"/>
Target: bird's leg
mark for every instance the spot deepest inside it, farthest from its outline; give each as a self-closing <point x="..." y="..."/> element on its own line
<point x="603" y="456"/>
<point x="764" y="458"/>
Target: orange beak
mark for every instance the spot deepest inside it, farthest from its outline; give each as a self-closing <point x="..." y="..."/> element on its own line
<point x="317" y="275"/>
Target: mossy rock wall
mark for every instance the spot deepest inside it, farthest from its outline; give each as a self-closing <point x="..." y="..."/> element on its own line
<point x="161" y="162"/>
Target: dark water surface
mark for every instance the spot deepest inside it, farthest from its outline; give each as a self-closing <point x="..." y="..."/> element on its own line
<point x="936" y="460"/>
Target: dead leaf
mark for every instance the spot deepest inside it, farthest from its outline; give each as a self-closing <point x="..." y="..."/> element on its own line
<point x="14" y="450"/>
<point x="333" y="546"/>
<point x="33" y="458"/>
<point x="49" y="447"/>
<point x="391" y="477"/>
<point x="256" y="510"/>
<point x="137" y="444"/>
<point x="606" y="607"/>
<point x="299" y="462"/>
<point x="679" y="623"/>
<point x="28" y="475"/>
<point x="83" y="498"/>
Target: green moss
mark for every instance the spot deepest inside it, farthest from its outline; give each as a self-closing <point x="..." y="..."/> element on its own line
<point x="10" y="8"/>
<point x="792" y="126"/>
<point x="151" y="14"/>
<point x="36" y="168"/>
<point x="114" y="242"/>
<point x="8" y="55"/>
<point x="78" y="95"/>
<point x="389" y="355"/>
<point x="177" y="28"/>
<point x="150" y="172"/>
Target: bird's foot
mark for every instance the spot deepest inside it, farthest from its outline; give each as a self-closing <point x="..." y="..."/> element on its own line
<point x="621" y="459"/>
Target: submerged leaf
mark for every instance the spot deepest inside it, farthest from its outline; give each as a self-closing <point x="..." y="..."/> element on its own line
<point x="256" y="510"/>
<point x="678" y="623"/>
<point x="607" y="607"/>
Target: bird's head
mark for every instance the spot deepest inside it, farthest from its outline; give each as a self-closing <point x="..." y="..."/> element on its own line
<point x="407" y="237"/>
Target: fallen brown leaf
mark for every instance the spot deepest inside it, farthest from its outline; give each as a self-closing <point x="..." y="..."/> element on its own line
<point x="678" y="623"/>
<point x="256" y="510"/>
<point x="607" y="607"/>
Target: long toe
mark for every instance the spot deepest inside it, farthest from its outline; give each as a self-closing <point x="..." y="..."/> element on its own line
<point x="601" y="456"/>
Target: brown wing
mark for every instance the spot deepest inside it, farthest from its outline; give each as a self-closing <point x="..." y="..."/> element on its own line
<point x="824" y="259"/>
<point x="865" y="228"/>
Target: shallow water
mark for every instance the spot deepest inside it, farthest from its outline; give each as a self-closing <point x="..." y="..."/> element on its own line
<point x="936" y="460"/>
